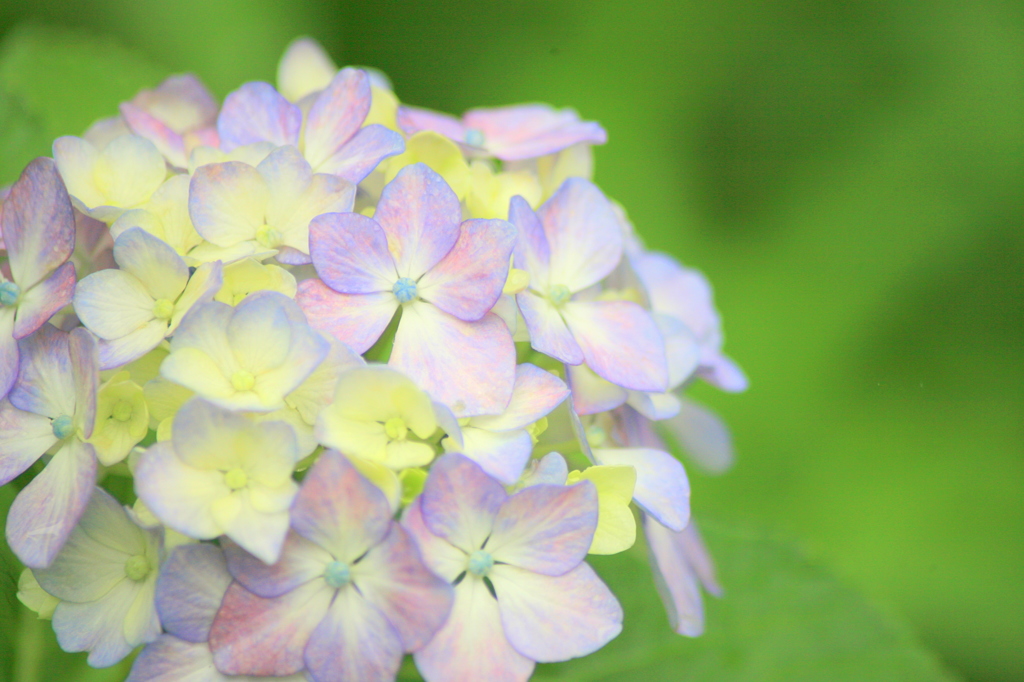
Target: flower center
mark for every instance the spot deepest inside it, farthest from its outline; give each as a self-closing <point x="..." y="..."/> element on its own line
<point x="475" y="137"/>
<point x="236" y="479"/>
<point x="559" y="294"/>
<point x="62" y="426"/>
<point x="9" y="293"/>
<point x="122" y="411"/>
<point x="137" y="568"/>
<point x="396" y="429"/>
<point x="269" y="237"/>
<point x="242" y="380"/>
<point x="405" y="289"/>
<point x="163" y="309"/>
<point x="480" y="563"/>
<point x="337" y="574"/>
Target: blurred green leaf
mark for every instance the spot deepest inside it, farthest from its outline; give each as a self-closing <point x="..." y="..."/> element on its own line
<point x="782" y="618"/>
<point x="56" y="82"/>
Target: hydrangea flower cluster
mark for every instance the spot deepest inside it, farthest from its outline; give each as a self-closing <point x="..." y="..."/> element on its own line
<point x="382" y="379"/>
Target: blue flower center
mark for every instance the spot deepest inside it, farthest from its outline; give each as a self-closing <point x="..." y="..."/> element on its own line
<point x="62" y="426"/>
<point x="480" y="563"/>
<point x="9" y="293"/>
<point x="475" y="137"/>
<point x="405" y="289"/>
<point x="337" y="574"/>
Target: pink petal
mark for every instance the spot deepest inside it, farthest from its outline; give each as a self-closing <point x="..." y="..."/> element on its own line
<point x="85" y="363"/>
<point x="662" y="488"/>
<point x="535" y="394"/>
<point x="182" y="101"/>
<point x="469" y="279"/>
<point x="393" y="578"/>
<point x="256" y="636"/>
<point x="356" y="320"/>
<point x="527" y="131"/>
<point x="301" y="560"/>
<point x="358" y="157"/>
<point x="620" y="342"/>
<point x="469" y="366"/>
<point x="548" y="331"/>
<point x="227" y="202"/>
<point x="24" y="437"/>
<point x="350" y="253"/>
<point x="502" y="454"/>
<point x="44" y="300"/>
<point x="414" y="119"/>
<point x="46" y="383"/>
<point x="583" y="233"/>
<point x="420" y="215"/>
<point x="440" y="556"/>
<point x="547" y="529"/>
<point x="38" y="224"/>
<point x="460" y="502"/>
<point x="338" y="509"/>
<point x="472" y="645"/>
<point x="192" y="584"/>
<point x="337" y="113"/>
<point x="553" y="619"/>
<point x="47" y="509"/>
<point x="256" y="112"/>
<point x="533" y="253"/>
<point x="168" y="142"/>
<point x="354" y="643"/>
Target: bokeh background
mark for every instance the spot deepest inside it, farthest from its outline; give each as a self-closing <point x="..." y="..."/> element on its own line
<point x="850" y="175"/>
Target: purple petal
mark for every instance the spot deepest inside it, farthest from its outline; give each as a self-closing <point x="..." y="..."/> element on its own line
<point x="472" y="645"/>
<point x="38" y="224"/>
<point x="420" y="215"/>
<point x="24" y="437"/>
<point x="532" y="252"/>
<point x="723" y="373"/>
<point x="47" y="509"/>
<point x="170" y="659"/>
<point x="46" y="383"/>
<point x="440" y="556"/>
<point x="256" y="636"/>
<point x="469" y="279"/>
<point x="502" y="454"/>
<point x="703" y="435"/>
<point x="358" y="157"/>
<point x="337" y="113"/>
<point x="131" y="347"/>
<point x="192" y="584"/>
<point x="178" y="494"/>
<point x="553" y="619"/>
<point x="301" y="561"/>
<point x="338" y="509"/>
<point x="350" y="253"/>
<point x="676" y="557"/>
<point x="85" y="363"/>
<point x="662" y="488"/>
<point x="357" y="320"/>
<point x="460" y="502"/>
<point x="10" y="358"/>
<point x="546" y="529"/>
<point x="583" y="233"/>
<point x="393" y="578"/>
<point x="469" y="366"/>
<point x="354" y="643"/>
<point x="620" y="342"/>
<point x="256" y="112"/>
<point x="44" y="300"/>
<point x="548" y="331"/>
<point x="591" y="394"/>
<point x="535" y="394"/>
<point x="414" y="119"/>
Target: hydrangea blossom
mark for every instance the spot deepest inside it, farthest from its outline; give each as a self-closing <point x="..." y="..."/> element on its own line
<point x="317" y="311"/>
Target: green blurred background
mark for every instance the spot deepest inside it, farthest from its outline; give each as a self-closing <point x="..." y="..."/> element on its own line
<point x="850" y="175"/>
